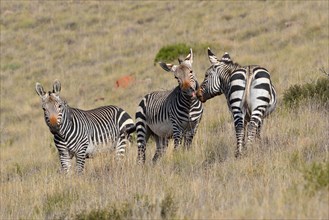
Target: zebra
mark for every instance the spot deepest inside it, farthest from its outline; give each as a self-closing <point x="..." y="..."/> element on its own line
<point x="78" y="133"/>
<point x="249" y="93"/>
<point x="170" y="114"/>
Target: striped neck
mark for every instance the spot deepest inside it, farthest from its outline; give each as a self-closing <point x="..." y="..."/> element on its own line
<point x="225" y="71"/>
<point x="66" y="122"/>
<point x="187" y="102"/>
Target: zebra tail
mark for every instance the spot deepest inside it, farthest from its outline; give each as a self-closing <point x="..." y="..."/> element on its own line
<point x="130" y="128"/>
<point x="246" y="94"/>
<point x="126" y="123"/>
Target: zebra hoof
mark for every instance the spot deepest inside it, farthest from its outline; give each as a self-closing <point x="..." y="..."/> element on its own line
<point x="238" y="155"/>
<point x="140" y="161"/>
<point x="154" y="160"/>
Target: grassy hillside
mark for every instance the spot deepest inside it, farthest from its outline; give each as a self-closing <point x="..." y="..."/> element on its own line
<point x="89" y="45"/>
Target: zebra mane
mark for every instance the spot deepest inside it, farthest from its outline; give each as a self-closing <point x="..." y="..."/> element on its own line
<point x="227" y="60"/>
<point x="235" y="65"/>
<point x="63" y="100"/>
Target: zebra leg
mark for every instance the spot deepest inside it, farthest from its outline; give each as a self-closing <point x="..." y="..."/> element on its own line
<point x="143" y="134"/>
<point x="188" y="137"/>
<point x="177" y="135"/>
<point x="177" y="140"/>
<point x="239" y="132"/>
<point x="188" y="140"/>
<point x="258" y="137"/>
<point x="253" y="127"/>
<point x="81" y="157"/>
<point x="65" y="159"/>
<point x="121" y="145"/>
<point x="161" y="147"/>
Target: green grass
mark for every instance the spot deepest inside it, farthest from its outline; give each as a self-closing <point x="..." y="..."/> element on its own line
<point x="89" y="45"/>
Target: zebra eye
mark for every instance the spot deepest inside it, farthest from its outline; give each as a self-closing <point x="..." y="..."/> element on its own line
<point x="60" y="106"/>
<point x="191" y="71"/>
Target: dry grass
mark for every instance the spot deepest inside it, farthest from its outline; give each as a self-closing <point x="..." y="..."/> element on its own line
<point x="88" y="45"/>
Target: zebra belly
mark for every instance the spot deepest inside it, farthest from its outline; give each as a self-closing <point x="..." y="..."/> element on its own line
<point x="90" y="149"/>
<point x="270" y="108"/>
<point x="94" y="148"/>
<point x="162" y="129"/>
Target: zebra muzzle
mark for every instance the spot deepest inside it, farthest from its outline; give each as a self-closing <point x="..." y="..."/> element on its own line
<point x="199" y="95"/>
<point x="192" y="93"/>
<point x="53" y="121"/>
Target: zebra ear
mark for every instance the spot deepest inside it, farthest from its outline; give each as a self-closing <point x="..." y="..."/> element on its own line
<point x="180" y="61"/>
<point x="39" y="89"/>
<point x="57" y="87"/>
<point x="167" y="66"/>
<point x="212" y="57"/>
<point x="189" y="57"/>
<point x="226" y="58"/>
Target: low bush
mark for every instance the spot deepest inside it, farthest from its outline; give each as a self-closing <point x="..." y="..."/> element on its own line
<point x="318" y="90"/>
<point x="115" y="212"/>
<point x="171" y="52"/>
<point x="141" y="207"/>
<point x="316" y="177"/>
<point x="168" y="207"/>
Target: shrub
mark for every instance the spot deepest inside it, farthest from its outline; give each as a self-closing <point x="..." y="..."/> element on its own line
<point x="316" y="176"/>
<point x="11" y="66"/>
<point x="143" y="206"/>
<point x="168" y="207"/>
<point x="318" y="90"/>
<point x="171" y="52"/>
<point x="115" y="212"/>
<point x="215" y="153"/>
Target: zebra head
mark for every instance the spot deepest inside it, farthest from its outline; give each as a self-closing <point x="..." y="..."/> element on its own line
<point x="52" y="105"/>
<point x="211" y="85"/>
<point x="184" y="74"/>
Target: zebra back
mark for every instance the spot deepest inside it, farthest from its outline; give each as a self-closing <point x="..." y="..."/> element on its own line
<point x="104" y="123"/>
<point x="238" y="83"/>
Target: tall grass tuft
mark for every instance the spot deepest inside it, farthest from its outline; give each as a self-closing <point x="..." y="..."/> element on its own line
<point x="58" y="203"/>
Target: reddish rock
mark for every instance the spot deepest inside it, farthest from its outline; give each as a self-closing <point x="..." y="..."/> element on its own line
<point x="124" y="81"/>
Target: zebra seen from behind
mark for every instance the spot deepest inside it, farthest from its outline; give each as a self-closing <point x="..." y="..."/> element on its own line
<point x="80" y="133"/>
<point x="168" y="114"/>
<point x="249" y="93"/>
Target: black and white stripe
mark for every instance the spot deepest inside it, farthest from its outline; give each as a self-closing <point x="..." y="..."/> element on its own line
<point x="249" y="93"/>
<point x="170" y="114"/>
<point x="80" y="133"/>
